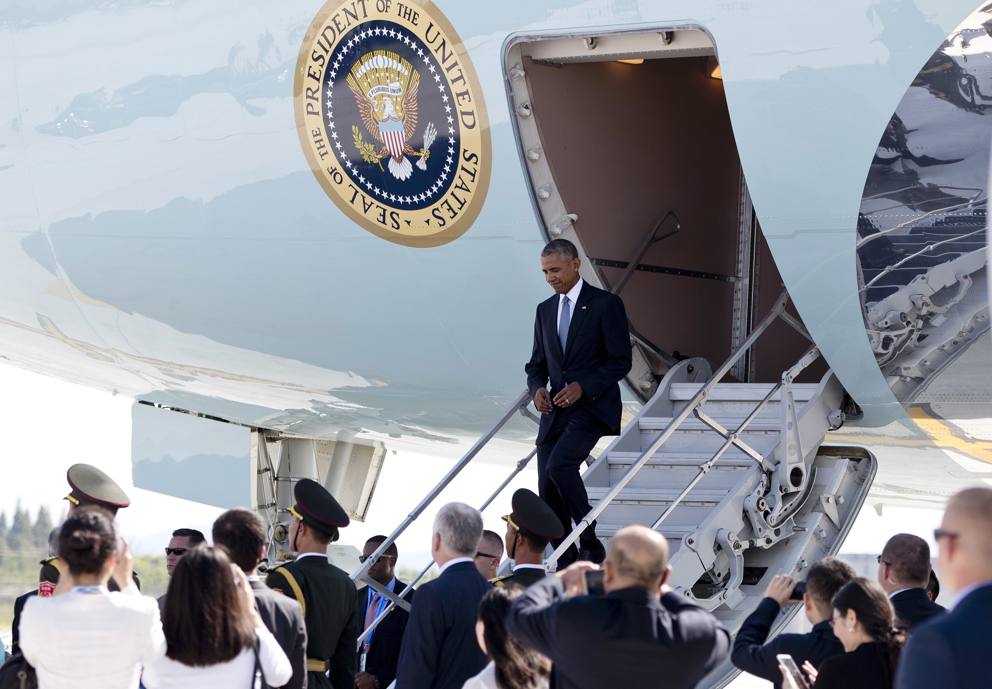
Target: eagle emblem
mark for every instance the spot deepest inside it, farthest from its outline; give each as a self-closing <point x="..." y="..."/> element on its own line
<point x="385" y="88"/>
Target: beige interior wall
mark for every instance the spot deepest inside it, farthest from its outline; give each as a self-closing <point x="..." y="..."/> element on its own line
<point x="628" y="143"/>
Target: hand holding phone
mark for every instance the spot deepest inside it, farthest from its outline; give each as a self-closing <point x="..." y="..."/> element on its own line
<point x="594" y="582"/>
<point x="790" y="672"/>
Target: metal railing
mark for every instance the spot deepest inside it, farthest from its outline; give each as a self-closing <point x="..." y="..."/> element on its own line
<point x="694" y="408"/>
<point x="518" y="405"/>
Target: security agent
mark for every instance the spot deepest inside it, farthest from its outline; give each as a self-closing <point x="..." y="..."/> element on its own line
<point x="326" y="594"/>
<point x="640" y="634"/>
<point x="89" y="486"/>
<point x="752" y="655"/>
<point x="488" y="557"/>
<point x="904" y="573"/>
<point x="380" y="652"/>
<point x="529" y="528"/>
<point x="582" y="348"/>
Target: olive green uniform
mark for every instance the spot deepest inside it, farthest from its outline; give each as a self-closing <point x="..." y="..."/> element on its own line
<point x="328" y="598"/>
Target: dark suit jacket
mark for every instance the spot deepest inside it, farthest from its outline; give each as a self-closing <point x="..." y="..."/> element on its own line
<point x="949" y="651"/>
<point x="627" y="638"/>
<point x="283" y="617"/>
<point x="869" y="666"/>
<point x="384" y="651"/>
<point x="15" y="625"/>
<point x="597" y="354"/>
<point x="439" y="649"/>
<point x="914" y="606"/>
<point x="752" y="655"/>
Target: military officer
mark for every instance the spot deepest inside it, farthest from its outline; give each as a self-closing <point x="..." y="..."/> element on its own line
<point x="326" y="594"/>
<point x="89" y="486"/>
<point x="529" y="528"/>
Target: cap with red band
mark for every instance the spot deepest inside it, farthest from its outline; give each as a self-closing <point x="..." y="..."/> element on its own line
<point x="316" y="507"/>
<point x="90" y="486"/>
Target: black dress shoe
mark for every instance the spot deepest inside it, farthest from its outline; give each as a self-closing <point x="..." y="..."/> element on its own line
<point x="593" y="551"/>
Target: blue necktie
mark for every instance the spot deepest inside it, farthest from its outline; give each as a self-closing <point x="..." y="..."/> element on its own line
<point x="563" y="321"/>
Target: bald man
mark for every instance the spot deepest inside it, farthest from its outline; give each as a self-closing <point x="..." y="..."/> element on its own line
<point x="903" y="573"/>
<point x="639" y="634"/>
<point x="950" y="651"/>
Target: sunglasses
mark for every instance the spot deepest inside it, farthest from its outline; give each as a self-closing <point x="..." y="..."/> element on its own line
<point x="365" y="558"/>
<point x="939" y="534"/>
<point x="481" y="554"/>
<point x="176" y="551"/>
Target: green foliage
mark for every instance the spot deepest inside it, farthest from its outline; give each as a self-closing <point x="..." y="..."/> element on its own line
<point x="19" y="536"/>
<point x="41" y="528"/>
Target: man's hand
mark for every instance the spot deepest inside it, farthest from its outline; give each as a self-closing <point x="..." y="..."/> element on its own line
<point x="780" y="589"/>
<point x="569" y="395"/>
<point x="542" y="401"/>
<point x="364" y="680"/>
<point x="573" y="577"/>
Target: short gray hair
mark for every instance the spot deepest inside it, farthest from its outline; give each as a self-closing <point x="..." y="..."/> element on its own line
<point x="562" y="247"/>
<point x="460" y="527"/>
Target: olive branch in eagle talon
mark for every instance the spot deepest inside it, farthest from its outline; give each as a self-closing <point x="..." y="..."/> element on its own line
<point x="367" y="150"/>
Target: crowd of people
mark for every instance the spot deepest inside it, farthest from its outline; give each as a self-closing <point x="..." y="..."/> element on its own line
<point x="585" y="626"/>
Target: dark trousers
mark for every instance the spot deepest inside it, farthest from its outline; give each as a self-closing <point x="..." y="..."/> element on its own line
<point x="573" y="434"/>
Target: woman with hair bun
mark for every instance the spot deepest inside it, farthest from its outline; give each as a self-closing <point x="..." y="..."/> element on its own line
<point x="864" y="622"/>
<point x="512" y="666"/>
<point x="87" y="636"/>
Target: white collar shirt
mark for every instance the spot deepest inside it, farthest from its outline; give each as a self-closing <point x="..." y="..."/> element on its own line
<point x="455" y="561"/>
<point x="303" y="555"/>
<point x="573" y="297"/>
<point x="528" y="566"/>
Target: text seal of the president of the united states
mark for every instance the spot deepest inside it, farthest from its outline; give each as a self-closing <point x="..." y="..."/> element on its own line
<point x="392" y="121"/>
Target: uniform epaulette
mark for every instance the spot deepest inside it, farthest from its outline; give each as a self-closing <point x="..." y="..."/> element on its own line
<point x="498" y="581"/>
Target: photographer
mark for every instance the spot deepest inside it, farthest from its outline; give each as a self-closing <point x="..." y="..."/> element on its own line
<point x="752" y="655"/>
<point x="629" y="637"/>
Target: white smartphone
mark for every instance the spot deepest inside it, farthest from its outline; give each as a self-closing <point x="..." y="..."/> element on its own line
<point x="786" y="661"/>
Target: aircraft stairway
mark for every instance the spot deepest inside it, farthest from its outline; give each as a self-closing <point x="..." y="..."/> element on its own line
<point x="735" y="475"/>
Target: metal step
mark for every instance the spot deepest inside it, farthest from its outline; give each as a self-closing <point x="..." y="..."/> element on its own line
<point x="665" y="470"/>
<point x="741" y="392"/>
<point x="645" y="505"/>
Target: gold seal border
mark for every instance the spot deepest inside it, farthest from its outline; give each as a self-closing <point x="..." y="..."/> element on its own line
<point x="461" y="224"/>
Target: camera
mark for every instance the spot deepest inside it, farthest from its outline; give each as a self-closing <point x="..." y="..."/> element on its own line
<point x="594" y="583"/>
<point x="798" y="591"/>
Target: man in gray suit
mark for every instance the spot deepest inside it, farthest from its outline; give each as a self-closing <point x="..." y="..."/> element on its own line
<point x="242" y="535"/>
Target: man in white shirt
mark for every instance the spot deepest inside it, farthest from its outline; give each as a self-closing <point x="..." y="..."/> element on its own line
<point x="439" y="649"/>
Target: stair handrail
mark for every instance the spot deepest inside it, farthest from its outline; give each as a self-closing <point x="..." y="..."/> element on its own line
<point x="690" y="409"/>
<point x="399" y="599"/>
<point x="518" y="405"/>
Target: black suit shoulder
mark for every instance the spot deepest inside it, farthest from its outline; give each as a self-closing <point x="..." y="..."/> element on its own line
<point x="913" y="607"/>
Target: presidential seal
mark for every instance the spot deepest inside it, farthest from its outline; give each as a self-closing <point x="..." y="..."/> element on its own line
<point x="391" y="119"/>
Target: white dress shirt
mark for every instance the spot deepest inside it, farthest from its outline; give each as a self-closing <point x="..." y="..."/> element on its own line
<point x="167" y="673"/>
<point x="573" y="297"/>
<point x="454" y="561"/>
<point x="90" y="638"/>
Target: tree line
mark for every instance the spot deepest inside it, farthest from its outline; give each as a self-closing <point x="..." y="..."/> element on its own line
<point x="22" y="534"/>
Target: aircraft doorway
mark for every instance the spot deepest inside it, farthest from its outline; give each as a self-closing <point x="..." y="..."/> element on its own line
<point x="628" y="145"/>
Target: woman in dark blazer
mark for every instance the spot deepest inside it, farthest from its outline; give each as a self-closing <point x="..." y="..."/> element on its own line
<point x="863" y="621"/>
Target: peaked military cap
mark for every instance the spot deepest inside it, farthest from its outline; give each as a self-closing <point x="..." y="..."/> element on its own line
<point x="532" y="515"/>
<point x="316" y="507"/>
<point x="90" y="486"/>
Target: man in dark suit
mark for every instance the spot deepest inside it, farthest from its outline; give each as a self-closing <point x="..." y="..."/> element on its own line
<point x="630" y="637"/>
<point x="529" y="528"/>
<point x="582" y="348"/>
<point x="325" y="592"/>
<point x="242" y="535"/>
<point x="752" y="655"/>
<point x="380" y="652"/>
<point x="949" y="651"/>
<point x="903" y="573"/>
<point x="439" y="649"/>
